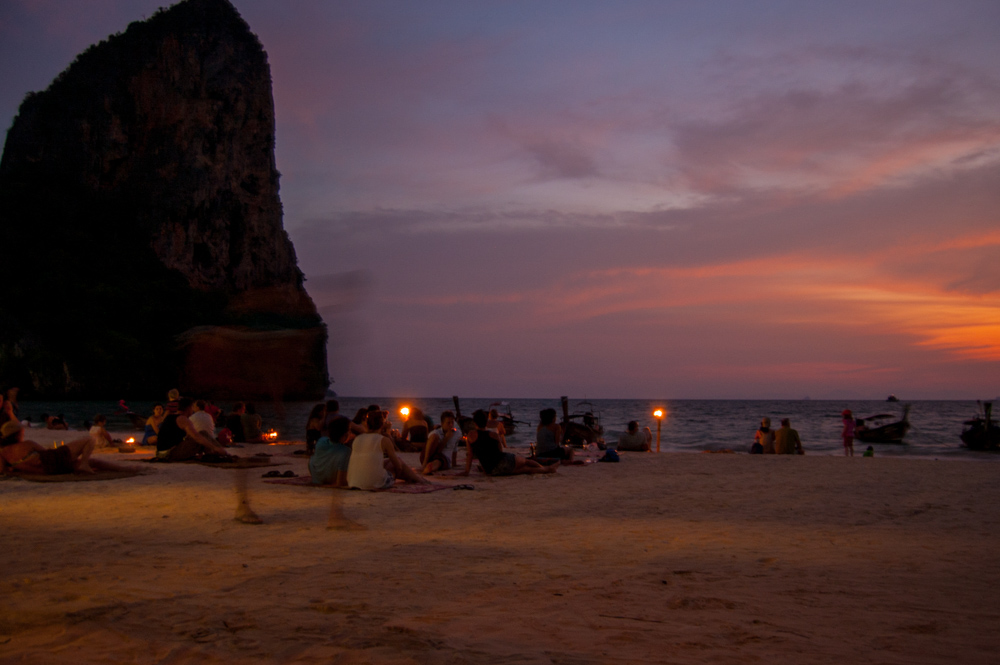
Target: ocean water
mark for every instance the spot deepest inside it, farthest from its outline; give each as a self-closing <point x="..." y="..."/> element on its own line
<point x="689" y="425"/>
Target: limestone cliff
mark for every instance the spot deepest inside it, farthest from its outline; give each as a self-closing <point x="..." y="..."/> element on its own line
<point x="140" y="217"/>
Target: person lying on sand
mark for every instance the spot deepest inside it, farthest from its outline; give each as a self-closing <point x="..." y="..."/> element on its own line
<point x="178" y="439"/>
<point x="16" y="454"/>
<point x="484" y="445"/>
<point x="374" y="463"/>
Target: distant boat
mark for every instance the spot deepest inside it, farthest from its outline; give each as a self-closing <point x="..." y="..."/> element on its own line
<point x="506" y="417"/>
<point x="891" y="398"/>
<point x="881" y="429"/>
<point x="981" y="433"/>
<point x="588" y="430"/>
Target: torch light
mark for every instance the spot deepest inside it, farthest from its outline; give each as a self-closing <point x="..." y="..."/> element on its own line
<point x="658" y="414"/>
<point x="405" y="412"/>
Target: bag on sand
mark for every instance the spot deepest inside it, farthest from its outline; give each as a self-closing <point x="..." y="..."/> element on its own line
<point x="609" y="456"/>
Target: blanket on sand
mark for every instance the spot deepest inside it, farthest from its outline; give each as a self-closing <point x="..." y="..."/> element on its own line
<point x="240" y="463"/>
<point x="79" y="477"/>
<point x="399" y="488"/>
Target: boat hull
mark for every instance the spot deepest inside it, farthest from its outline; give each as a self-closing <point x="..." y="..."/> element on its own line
<point x="891" y="433"/>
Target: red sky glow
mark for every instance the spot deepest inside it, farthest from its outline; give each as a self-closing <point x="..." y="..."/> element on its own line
<point x="639" y="199"/>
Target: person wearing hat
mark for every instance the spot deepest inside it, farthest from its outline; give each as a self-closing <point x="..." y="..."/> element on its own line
<point x="16" y="454"/>
<point x="847" y="434"/>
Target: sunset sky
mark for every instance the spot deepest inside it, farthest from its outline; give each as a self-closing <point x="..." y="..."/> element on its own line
<point x="658" y="199"/>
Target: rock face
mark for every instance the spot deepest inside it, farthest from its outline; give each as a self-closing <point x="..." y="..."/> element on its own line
<point x="141" y="223"/>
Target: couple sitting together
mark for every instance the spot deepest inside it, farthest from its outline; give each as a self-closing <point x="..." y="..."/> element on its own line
<point x="367" y="461"/>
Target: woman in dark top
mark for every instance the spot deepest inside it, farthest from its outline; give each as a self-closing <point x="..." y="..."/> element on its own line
<point x="315" y="427"/>
<point x="484" y="445"/>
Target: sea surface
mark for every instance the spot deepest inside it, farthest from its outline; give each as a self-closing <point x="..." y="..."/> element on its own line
<point x="688" y="425"/>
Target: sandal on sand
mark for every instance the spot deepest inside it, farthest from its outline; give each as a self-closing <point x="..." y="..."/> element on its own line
<point x="289" y="474"/>
<point x="271" y="474"/>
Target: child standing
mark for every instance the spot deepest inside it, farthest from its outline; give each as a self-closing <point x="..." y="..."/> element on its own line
<point x="848" y="433"/>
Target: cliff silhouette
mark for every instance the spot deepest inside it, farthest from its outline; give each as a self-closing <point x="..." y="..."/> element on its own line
<point x="141" y="224"/>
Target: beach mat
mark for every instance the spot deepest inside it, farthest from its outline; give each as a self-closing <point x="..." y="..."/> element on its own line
<point x="241" y="463"/>
<point x="398" y="488"/>
<point x="79" y="477"/>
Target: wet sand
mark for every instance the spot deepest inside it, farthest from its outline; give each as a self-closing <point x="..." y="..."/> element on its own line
<point x="671" y="558"/>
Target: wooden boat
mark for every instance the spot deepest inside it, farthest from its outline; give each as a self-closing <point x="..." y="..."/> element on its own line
<point x="880" y="429"/>
<point x="505" y="416"/>
<point x="981" y="433"/>
<point x="464" y="422"/>
<point x="582" y="427"/>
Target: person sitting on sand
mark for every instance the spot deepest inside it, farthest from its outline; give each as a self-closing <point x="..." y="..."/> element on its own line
<point x="99" y="433"/>
<point x="234" y="423"/>
<point x="252" y="425"/>
<point x="633" y="439"/>
<point x="315" y="426"/>
<point x="179" y="440"/>
<point x="786" y="440"/>
<point x="484" y="445"/>
<point x="496" y="425"/>
<point x="6" y="411"/>
<point x="442" y="443"/>
<point x="153" y="425"/>
<point x="18" y="455"/>
<point x="202" y="419"/>
<point x="413" y="438"/>
<point x="374" y="464"/>
<point x="764" y="437"/>
<point x="869" y="452"/>
<point x="548" y="438"/>
<point x="332" y="455"/>
<point x="173" y="399"/>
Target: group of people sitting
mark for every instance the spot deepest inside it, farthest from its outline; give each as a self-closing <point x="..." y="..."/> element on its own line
<point x="784" y="441"/>
<point x="241" y="425"/>
<point x="362" y="452"/>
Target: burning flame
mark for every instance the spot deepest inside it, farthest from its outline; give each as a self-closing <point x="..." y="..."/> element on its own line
<point x="405" y="411"/>
<point x="130" y="441"/>
<point x="658" y="413"/>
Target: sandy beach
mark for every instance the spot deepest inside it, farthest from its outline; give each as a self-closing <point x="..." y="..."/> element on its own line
<point x="670" y="558"/>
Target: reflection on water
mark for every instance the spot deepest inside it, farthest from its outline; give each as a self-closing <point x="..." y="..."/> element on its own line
<point x="689" y="425"/>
